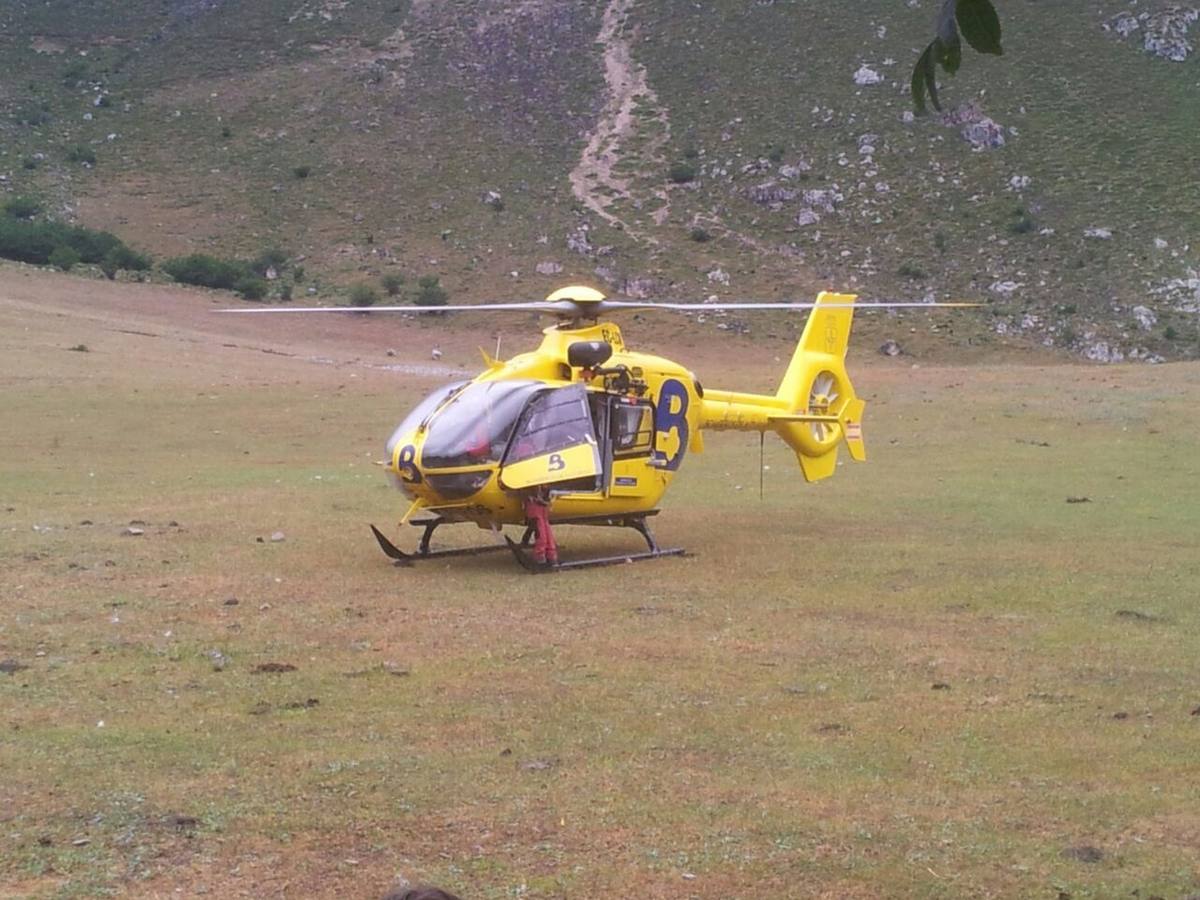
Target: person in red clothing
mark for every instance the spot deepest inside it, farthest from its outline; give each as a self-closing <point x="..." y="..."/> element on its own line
<point x="536" y="504"/>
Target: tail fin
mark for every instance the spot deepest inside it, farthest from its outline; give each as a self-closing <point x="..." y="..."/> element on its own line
<point x="817" y="389"/>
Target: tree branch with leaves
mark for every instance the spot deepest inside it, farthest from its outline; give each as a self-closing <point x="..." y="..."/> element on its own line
<point x="974" y="21"/>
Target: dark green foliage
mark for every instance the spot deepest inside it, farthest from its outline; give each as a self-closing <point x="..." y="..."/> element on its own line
<point x="285" y="293"/>
<point x="979" y="26"/>
<point x="1170" y="333"/>
<point x="226" y="132"/>
<point x="82" y="154"/>
<point x="940" y="241"/>
<point x="682" y="173"/>
<point x="363" y="295"/>
<point x="392" y="283"/>
<point x="34" y="242"/>
<point x="30" y="163"/>
<point x="273" y="258"/>
<point x="430" y="292"/>
<point x="22" y="208"/>
<point x="775" y="154"/>
<point x="80" y="348"/>
<point x="64" y="257"/>
<point x="208" y="271"/>
<point x="33" y="113"/>
<point x="302" y="172"/>
<point x="911" y="270"/>
<point x="298" y="274"/>
<point x="1022" y="225"/>
<point x="699" y="235"/>
<point x="251" y="287"/>
<point x="75" y="72"/>
<point x="122" y="257"/>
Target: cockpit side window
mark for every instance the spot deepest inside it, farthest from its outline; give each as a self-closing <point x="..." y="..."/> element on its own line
<point x="632" y="428"/>
<point x="553" y="421"/>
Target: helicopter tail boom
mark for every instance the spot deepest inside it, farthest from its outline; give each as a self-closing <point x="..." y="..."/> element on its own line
<point x="815" y="409"/>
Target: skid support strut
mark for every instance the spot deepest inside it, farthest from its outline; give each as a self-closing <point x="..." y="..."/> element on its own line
<point x="636" y="522"/>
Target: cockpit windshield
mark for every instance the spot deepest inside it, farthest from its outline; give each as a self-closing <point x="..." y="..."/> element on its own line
<point x="421" y="412"/>
<point x="474" y="427"/>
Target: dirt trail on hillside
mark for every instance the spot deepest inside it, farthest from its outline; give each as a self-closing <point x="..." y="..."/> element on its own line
<point x="631" y="110"/>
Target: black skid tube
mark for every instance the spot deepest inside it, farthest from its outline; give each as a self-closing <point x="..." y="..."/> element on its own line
<point x="391" y="550"/>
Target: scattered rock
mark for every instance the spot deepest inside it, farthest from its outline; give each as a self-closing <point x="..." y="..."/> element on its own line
<point x="538" y="765"/>
<point x="890" y="348"/>
<point x="985" y="134"/>
<point x="219" y="659"/>
<point x="492" y="199"/>
<point x="832" y="728"/>
<point x="231" y="601"/>
<point x="1101" y="351"/>
<point x="1084" y="853"/>
<point x="1019" y="182"/>
<point x="548" y="268"/>
<point x="1099" y="234"/>
<point x="278" y="537"/>
<point x="807" y="217"/>
<point x="390" y="352"/>
<point x="866" y="76"/>
<point x="1145" y="317"/>
<point x="718" y="276"/>
<point x="435" y="353"/>
<point x="133" y="531"/>
<point x="272" y="667"/>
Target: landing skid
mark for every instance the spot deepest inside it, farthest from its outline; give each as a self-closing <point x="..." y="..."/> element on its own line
<point x="400" y="558"/>
<point x="637" y="523"/>
<point x="520" y="549"/>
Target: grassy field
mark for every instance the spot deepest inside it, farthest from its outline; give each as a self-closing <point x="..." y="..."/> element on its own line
<point x="932" y="676"/>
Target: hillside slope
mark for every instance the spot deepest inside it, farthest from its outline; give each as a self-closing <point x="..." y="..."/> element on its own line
<point x="674" y="148"/>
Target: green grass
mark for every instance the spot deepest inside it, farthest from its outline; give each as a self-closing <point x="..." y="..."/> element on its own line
<point x="760" y="715"/>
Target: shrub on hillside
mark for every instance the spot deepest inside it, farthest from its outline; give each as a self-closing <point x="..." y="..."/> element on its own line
<point x="363" y="295"/>
<point x="251" y="287"/>
<point x="63" y="257"/>
<point x="204" y="270"/>
<point x="33" y="242"/>
<point x="22" y="208"/>
<point x="430" y="292"/>
<point x="392" y="284"/>
<point x="82" y="154"/>
<point x="682" y="173"/>
<point x="274" y="258"/>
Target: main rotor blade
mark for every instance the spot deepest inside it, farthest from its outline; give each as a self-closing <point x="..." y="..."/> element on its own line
<point x="595" y="308"/>
<point x="560" y="308"/>
<point x="884" y="304"/>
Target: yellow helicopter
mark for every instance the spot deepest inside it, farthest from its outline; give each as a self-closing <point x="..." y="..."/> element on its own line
<point x="585" y="431"/>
